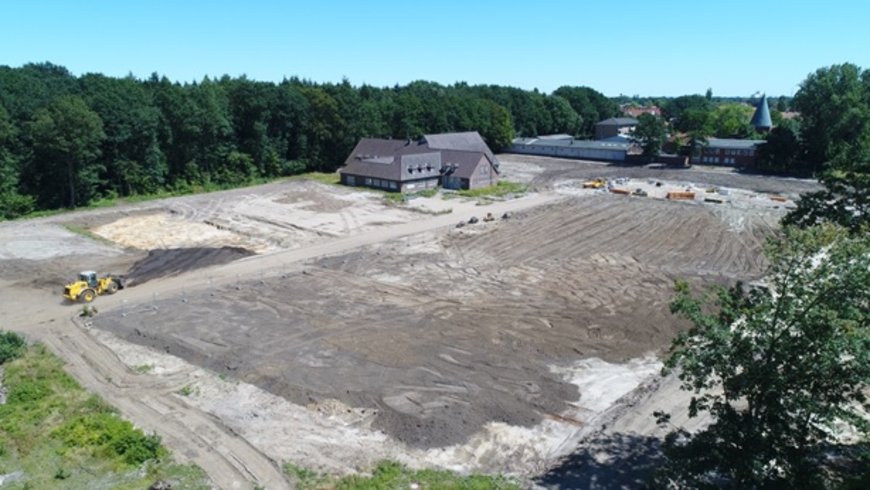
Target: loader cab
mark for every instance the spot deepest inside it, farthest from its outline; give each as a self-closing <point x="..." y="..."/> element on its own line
<point x="89" y="277"/>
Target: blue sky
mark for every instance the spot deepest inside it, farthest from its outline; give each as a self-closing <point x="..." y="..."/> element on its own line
<point x="629" y="47"/>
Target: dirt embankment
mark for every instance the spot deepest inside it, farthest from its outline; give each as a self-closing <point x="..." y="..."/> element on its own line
<point x="174" y="261"/>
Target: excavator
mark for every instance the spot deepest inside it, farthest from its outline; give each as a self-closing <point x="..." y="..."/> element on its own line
<point x="89" y="286"/>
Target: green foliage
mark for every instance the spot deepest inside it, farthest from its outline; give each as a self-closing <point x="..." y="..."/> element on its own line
<point x="11" y="346"/>
<point x="62" y="437"/>
<point x="731" y="121"/>
<point x="501" y="189"/>
<point x="185" y="390"/>
<point x="66" y="139"/>
<point x="777" y="366"/>
<point x="834" y="103"/>
<point x="392" y="475"/>
<point x="649" y="134"/>
<point x="88" y="311"/>
<point x="779" y="153"/>
<point x="331" y="178"/>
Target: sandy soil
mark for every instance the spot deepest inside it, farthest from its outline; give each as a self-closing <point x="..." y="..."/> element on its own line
<point x="364" y="331"/>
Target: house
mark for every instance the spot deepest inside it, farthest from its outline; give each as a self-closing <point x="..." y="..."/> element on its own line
<point x="723" y="151"/>
<point x="614" y="126"/>
<point x="564" y="146"/>
<point x="633" y="111"/>
<point x="451" y="160"/>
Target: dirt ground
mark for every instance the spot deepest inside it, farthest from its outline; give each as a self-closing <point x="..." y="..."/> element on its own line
<point x="440" y="334"/>
<point x="493" y="347"/>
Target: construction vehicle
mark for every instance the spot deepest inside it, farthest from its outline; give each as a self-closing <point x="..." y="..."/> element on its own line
<point x="89" y="286"/>
<point x="594" y="184"/>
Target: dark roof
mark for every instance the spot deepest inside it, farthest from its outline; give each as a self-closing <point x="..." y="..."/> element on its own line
<point x="618" y="121"/>
<point x="761" y="118"/>
<point x="465" y="162"/>
<point x="733" y="144"/>
<point x="404" y="160"/>
<point x="467" y="141"/>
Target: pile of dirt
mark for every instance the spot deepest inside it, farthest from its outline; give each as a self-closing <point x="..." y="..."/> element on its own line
<point x="173" y="261"/>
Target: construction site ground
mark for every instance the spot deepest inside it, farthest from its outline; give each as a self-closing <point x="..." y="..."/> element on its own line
<point x="318" y="325"/>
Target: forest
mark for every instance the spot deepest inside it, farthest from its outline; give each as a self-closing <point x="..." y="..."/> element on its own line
<point x="68" y="141"/>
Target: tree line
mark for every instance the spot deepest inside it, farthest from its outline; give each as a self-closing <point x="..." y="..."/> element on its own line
<point x="68" y="141"/>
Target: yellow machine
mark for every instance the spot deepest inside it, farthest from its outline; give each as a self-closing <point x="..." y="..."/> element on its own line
<point x="594" y="184"/>
<point x="89" y="286"/>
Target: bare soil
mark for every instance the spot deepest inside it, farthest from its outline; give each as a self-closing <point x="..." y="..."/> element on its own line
<point x="362" y="331"/>
<point x="174" y="261"/>
<point x="440" y="334"/>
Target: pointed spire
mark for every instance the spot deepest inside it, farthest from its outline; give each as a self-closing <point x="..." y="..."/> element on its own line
<point x="761" y="118"/>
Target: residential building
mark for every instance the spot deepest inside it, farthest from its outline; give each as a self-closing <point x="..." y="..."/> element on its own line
<point x="633" y="111"/>
<point x="732" y="152"/>
<point x="451" y="160"/>
<point x="614" y="126"/>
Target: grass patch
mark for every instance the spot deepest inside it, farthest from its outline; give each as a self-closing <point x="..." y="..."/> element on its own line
<point x="501" y="189"/>
<point x="60" y="436"/>
<point x="392" y="475"/>
<point x="144" y="368"/>
<point x="82" y="231"/>
<point x="330" y="178"/>
<point x="185" y="390"/>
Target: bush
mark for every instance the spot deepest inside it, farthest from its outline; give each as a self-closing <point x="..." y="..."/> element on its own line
<point x="110" y="435"/>
<point x="11" y="346"/>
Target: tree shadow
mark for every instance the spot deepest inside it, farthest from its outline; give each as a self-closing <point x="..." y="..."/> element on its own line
<point x="611" y="461"/>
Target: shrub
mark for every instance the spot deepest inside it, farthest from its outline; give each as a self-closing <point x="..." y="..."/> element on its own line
<point x="11" y="346"/>
<point x="115" y="437"/>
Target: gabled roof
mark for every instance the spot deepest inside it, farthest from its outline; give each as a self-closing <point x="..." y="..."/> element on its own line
<point x="761" y="118"/>
<point x="463" y="163"/>
<point x="467" y="141"/>
<point x="404" y="160"/>
<point x="618" y="121"/>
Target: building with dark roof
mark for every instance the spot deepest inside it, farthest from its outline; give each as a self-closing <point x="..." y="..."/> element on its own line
<point x="451" y="160"/>
<point x="564" y="146"/>
<point x="724" y="151"/>
<point x="614" y="126"/>
<point x="761" y="119"/>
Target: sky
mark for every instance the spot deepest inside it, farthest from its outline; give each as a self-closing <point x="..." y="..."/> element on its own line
<point x="630" y="47"/>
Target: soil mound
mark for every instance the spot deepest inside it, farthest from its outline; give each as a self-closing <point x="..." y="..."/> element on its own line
<point x="173" y="261"/>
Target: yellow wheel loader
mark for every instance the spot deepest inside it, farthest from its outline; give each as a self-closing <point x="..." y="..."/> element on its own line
<point x="89" y="286"/>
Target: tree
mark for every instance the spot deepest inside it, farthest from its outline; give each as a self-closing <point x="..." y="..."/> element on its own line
<point x="649" y="134"/>
<point x="731" y="121"/>
<point x="66" y="136"/>
<point x="834" y="103"/>
<point x="777" y="366"/>
<point x="835" y="137"/>
<point x="12" y="202"/>
<point x="779" y="152"/>
<point x="844" y="201"/>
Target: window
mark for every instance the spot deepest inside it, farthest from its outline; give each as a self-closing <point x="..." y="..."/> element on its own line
<point x="376" y="182"/>
<point x="368" y="181"/>
<point x="350" y="179"/>
<point x="393" y="185"/>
